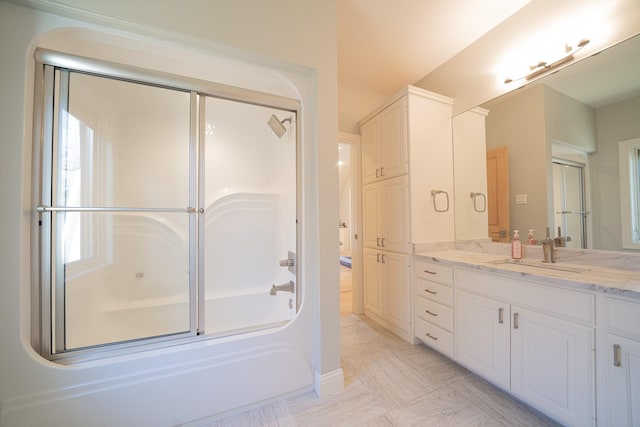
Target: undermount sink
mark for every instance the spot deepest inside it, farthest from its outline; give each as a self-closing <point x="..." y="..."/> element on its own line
<point x="543" y="265"/>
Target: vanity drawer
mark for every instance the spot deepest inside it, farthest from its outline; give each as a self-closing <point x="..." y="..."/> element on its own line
<point x="435" y="337"/>
<point x="435" y="313"/>
<point x="622" y="316"/>
<point x="434" y="272"/>
<point x="434" y="291"/>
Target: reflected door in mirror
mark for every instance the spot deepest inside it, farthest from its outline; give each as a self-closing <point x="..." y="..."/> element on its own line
<point x="498" y="194"/>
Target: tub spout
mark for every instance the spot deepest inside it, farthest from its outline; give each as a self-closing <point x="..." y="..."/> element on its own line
<point x="287" y="287"/>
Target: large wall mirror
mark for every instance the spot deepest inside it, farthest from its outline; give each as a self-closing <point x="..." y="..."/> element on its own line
<point x="561" y="134"/>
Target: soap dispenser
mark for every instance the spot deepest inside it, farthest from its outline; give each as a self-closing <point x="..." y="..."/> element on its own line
<point x="530" y="239"/>
<point x="516" y="246"/>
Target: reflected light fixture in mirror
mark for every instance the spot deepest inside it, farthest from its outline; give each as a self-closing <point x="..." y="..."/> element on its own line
<point x="543" y="66"/>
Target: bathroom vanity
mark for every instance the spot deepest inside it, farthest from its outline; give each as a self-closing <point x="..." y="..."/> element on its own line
<point x="546" y="333"/>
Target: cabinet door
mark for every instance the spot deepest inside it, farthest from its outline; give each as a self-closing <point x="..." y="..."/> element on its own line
<point x="552" y="366"/>
<point x="396" y="302"/>
<point x="482" y="336"/>
<point x="622" y="392"/>
<point x="394" y="152"/>
<point x="395" y="216"/>
<point x="372" y="281"/>
<point x="370" y="134"/>
<point x="372" y="215"/>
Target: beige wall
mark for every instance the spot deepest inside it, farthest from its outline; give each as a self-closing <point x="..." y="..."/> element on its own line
<point x="517" y="122"/>
<point x="616" y="122"/>
<point x="569" y="121"/>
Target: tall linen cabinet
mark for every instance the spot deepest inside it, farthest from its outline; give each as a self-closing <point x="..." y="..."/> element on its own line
<point x="407" y="176"/>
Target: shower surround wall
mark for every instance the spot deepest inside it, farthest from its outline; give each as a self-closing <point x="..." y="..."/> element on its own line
<point x="179" y="384"/>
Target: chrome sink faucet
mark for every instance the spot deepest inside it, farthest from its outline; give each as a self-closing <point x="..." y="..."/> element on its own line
<point x="548" y="248"/>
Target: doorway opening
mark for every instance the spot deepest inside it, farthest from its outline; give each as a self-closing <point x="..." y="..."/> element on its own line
<point x="569" y="202"/>
<point x="349" y="210"/>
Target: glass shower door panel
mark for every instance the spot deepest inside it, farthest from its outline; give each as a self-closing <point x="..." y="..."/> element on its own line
<point x="121" y="225"/>
<point x="249" y="195"/>
<point x="569" y="203"/>
<point x="134" y="283"/>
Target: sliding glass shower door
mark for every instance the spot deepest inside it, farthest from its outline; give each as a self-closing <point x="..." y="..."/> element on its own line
<point x="165" y="212"/>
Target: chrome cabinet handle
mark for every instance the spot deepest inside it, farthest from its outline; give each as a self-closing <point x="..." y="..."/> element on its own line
<point x="431" y="313"/>
<point x="377" y="241"/>
<point x="378" y="257"/>
<point x="431" y="336"/>
<point x="382" y="242"/>
<point x="384" y="259"/>
<point x="377" y="173"/>
<point x="381" y="171"/>
<point x="617" y="355"/>
<point x="430" y="291"/>
<point x="501" y="315"/>
<point x="430" y="272"/>
<point x="516" y="317"/>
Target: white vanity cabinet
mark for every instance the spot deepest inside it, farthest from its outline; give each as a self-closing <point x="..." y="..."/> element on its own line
<point x="384" y="136"/>
<point x="433" y="309"/>
<point x="386" y="222"/>
<point x="618" y="362"/>
<point x="534" y="340"/>
<point x="408" y="198"/>
<point x="386" y="290"/>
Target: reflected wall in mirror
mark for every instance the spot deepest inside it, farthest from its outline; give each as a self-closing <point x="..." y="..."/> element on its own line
<point x="573" y="118"/>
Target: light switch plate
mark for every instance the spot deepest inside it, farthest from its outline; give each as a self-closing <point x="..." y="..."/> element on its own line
<point x="521" y="199"/>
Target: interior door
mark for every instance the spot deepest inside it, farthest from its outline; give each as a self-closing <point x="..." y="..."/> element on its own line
<point x="498" y="194"/>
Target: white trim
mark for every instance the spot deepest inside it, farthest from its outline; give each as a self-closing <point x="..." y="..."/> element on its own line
<point x="629" y="193"/>
<point x="329" y="383"/>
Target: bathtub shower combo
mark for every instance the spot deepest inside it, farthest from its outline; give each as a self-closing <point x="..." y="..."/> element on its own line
<point x="167" y="209"/>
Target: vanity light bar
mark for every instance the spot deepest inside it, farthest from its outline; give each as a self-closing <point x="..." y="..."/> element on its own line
<point x="542" y="67"/>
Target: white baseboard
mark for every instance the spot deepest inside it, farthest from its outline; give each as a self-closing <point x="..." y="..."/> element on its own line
<point x="329" y="383"/>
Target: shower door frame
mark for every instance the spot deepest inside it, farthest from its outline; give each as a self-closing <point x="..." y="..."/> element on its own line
<point x="42" y="289"/>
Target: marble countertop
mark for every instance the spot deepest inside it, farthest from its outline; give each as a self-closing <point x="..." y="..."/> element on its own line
<point x="576" y="276"/>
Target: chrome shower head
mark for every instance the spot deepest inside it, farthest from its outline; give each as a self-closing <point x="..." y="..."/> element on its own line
<point x="277" y="125"/>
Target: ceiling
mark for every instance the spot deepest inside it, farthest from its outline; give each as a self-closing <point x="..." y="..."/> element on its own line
<point x="384" y="45"/>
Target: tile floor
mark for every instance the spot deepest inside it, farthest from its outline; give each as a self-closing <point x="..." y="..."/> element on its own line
<point x="389" y="382"/>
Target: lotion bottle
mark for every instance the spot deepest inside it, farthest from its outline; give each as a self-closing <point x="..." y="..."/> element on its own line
<point x="516" y="246"/>
<point x="530" y="239"/>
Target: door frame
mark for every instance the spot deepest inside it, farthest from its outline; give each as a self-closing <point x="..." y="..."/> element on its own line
<point x="357" y="301"/>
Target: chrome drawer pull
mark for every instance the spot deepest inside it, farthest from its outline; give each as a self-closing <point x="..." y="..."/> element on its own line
<point x="617" y="355"/>
<point x="430" y="291"/>
<point x="430" y="272"/>
<point x="501" y="315"/>
<point x="433" y="314"/>
<point x="431" y="336"/>
<point x="516" y="317"/>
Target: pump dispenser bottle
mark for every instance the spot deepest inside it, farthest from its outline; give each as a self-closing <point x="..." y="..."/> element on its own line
<point x="530" y="239"/>
<point x="516" y="246"/>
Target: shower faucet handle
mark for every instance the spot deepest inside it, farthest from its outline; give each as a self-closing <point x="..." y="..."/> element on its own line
<point x="286" y="262"/>
<point x="290" y="262"/>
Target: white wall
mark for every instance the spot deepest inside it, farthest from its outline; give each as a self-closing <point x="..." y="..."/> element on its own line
<point x="170" y="387"/>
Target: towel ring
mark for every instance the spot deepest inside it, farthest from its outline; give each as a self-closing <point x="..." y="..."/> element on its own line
<point x="434" y="194"/>
<point x="475" y="197"/>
